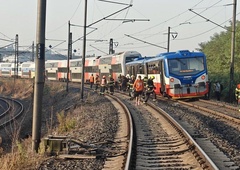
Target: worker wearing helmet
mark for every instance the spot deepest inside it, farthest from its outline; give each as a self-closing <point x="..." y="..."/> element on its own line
<point x="237" y="95"/>
<point x="103" y="85"/>
<point x="110" y="84"/>
<point x="97" y="82"/>
<point x="145" y="79"/>
<point x="130" y="87"/>
<point x="150" y="89"/>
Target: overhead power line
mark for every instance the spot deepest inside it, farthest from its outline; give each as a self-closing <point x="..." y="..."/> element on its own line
<point x="98" y="49"/>
<point x="145" y="41"/>
<point x="208" y="20"/>
<point x="113" y="2"/>
<point x="6" y="40"/>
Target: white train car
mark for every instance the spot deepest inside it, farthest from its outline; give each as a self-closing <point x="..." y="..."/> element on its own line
<point x="51" y="69"/>
<point x="115" y="64"/>
<point x="75" y="70"/>
<point x="62" y="70"/>
<point x="91" y="67"/>
<point x="27" y="70"/>
<point x="9" y="70"/>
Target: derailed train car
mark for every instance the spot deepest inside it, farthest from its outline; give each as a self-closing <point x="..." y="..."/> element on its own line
<point x="181" y="74"/>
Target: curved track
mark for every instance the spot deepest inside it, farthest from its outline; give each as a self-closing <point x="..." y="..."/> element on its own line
<point x="161" y="142"/>
<point x="13" y="111"/>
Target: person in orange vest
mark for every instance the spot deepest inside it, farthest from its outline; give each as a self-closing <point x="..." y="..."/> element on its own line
<point x="91" y="81"/>
<point x="138" y="88"/>
<point x="103" y="85"/>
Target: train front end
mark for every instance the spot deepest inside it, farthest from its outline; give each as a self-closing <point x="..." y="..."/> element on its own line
<point x="186" y="75"/>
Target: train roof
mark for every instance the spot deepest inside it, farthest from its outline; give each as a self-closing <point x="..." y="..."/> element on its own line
<point x="138" y="61"/>
<point x="177" y="54"/>
<point x="121" y="53"/>
<point x="180" y="53"/>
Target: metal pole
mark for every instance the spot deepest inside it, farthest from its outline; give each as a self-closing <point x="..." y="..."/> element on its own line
<point x="111" y="46"/>
<point x="168" y="45"/>
<point x="32" y="51"/>
<point x="16" y="58"/>
<point x="40" y="75"/>
<point x="17" y="44"/>
<point x="68" y="55"/>
<point x="232" y="51"/>
<point x="84" y="50"/>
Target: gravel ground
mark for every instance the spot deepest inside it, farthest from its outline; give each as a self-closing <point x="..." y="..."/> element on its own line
<point x="96" y="124"/>
<point x="223" y="136"/>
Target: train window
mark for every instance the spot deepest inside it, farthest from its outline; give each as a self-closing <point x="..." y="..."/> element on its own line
<point x="140" y="70"/>
<point x="131" y="58"/>
<point x="173" y="64"/>
<point x="107" y="60"/>
<point x="116" y="68"/>
<point x="62" y="69"/>
<point x="153" y="68"/>
<point x="186" y="66"/>
<point x="76" y="64"/>
<point x="88" y="69"/>
<point x="95" y="69"/>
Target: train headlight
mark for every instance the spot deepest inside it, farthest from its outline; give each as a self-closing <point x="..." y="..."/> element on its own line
<point x="171" y="79"/>
<point x="203" y="77"/>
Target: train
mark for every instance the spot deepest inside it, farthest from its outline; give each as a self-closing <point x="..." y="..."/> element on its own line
<point x="112" y="64"/>
<point x="178" y="75"/>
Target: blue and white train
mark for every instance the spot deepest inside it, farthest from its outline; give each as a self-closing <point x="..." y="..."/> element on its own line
<point x="178" y="75"/>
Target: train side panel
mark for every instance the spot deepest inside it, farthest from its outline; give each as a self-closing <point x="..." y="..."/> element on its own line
<point x="75" y="70"/>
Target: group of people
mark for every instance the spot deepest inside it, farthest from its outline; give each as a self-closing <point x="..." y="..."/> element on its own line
<point x="137" y="88"/>
<point x="104" y="84"/>
<point x="217" y="88"/>
<point x="141" y="88"/>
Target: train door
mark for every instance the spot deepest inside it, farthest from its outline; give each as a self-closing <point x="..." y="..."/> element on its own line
<point x="110" y="72"/>
<point x="162" y="82"/>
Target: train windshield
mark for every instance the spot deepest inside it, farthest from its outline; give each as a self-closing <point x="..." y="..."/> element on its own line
<point x="131" y="58"/>
<point x="186" y="66"/>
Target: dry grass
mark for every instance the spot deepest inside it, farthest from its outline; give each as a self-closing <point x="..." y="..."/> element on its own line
<point x="20" y="88"/>
<point x="22" y="156"/>
<point x="66" y="122"/>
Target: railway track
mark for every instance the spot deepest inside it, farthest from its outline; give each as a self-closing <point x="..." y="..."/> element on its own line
<point x="13" y="110"/>
<point x="161" y="143"/>
<point x="228" y="114"/>
<point x="213" y="125"/>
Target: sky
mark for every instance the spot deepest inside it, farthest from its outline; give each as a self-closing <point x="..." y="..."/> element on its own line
<point x="142" y="27"/>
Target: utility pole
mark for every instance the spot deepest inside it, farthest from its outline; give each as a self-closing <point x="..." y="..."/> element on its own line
<point x="232" y="51"/>
<point x="84" y="50"/>
<point x="168" y="44"/>
<point x="174" y="35"/>
<point x="16" y="58"/>
<point x="69" y="52"/>
<point x="111" y="46"/>
<point x="32" y="51"/>
<point x="40" y="75"/>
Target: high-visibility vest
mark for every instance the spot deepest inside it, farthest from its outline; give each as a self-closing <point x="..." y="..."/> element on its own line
<point x="138" y="85"/>
<point x="103" y="83"/>
<point x="111" y="82"/>
<point x="145" y="79"/>
<point x="237" y="93"/>
<point x="91" y="79"/>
